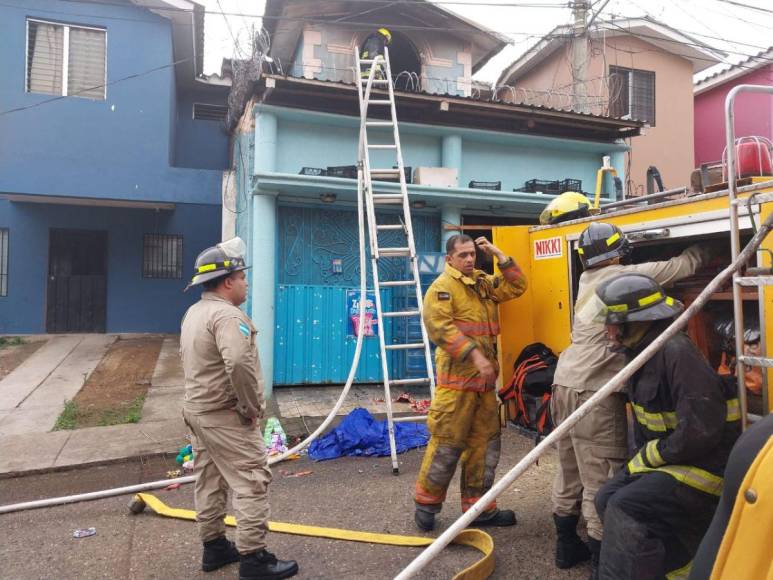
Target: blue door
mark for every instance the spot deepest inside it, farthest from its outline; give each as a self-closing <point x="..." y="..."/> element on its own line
<point x="318" y="262"/>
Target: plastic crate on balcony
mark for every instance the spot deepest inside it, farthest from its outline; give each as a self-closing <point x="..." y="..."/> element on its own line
<point x="570" y="185"/>
<point x="348" y="171"/>
<point x="542" y="186"/>
<point x="316" y="171"/>
<point x="490" y="185"/>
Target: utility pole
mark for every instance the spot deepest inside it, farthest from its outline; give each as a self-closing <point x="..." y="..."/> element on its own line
<point x="580" y="55"/>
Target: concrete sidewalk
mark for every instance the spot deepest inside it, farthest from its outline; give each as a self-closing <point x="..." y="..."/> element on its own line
<point x="27" y="444"/>
<point x="36" y="448"/>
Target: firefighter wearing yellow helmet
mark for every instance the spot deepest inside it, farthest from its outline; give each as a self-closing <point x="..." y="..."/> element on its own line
<point x="374" y="46"/>
<point x="570" y="205"/>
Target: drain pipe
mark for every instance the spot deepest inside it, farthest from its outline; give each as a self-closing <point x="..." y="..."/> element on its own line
<point x="612" y="386"/>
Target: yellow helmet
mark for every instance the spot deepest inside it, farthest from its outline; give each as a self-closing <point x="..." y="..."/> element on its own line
<point x="386" y="34"/>
<point x="570" y="205"/>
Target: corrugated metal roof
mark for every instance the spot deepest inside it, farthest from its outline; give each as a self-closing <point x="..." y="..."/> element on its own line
<point x="752" y="63"/>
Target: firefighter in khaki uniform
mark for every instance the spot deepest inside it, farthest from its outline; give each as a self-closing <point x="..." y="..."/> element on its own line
<point x="460" y="313"/>
<point x="597" y="447"/>
<point x="223" y="402"/>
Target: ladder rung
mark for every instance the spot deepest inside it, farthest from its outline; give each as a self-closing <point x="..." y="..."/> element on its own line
<point x="397" y="313"/>
<point x="379" y="123"/>
<point x="398" y="283"/>
<point x="411" y="419"/>
<point x="390" y="226"/>
<point x="404" y="346"/>
<point x="390" y="171"/>
<point x="754" y="281"/>
<point x="367" y="60"/>
<point x="421" y="381"/>
<point x="379" y="102"/>
<point x="382" y="146"/>
<point x="387" y="198"/>
<point x="756" y="361"/>
<point x="392" y="252"/>
<point x="375" y="81"/>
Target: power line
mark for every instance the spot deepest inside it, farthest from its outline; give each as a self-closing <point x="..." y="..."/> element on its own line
<point x="86" y="89"/>
<point x="748" y="6"/>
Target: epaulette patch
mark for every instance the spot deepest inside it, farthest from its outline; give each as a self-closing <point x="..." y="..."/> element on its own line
<point x="443" y="296"/>
<point x="244" y="329"/>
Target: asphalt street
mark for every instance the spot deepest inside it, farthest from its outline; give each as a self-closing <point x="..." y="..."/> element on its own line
<point x="351" y="493"/>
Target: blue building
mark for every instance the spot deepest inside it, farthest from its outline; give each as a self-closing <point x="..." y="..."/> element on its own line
<point x="301" y="228"/>
<point x="112" y="150"/>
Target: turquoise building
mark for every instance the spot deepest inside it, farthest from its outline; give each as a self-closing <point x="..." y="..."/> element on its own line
<point x="301" y="228"/>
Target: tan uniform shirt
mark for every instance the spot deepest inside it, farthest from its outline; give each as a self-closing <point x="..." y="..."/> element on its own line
<point x="587" y="364"/>
<point x="220" y="359"/>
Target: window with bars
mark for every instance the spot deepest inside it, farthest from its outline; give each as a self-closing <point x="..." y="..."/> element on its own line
<point x="162" y="256"/>
<point x="3" y="261"/>
<point x="632" y="94"/>
<point x="66" y="60"/>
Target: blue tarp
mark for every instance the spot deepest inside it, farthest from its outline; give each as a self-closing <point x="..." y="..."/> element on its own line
<point x="360" y="434"/>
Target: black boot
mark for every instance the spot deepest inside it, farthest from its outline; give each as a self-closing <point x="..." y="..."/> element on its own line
<point x="424" y="520"/>
<point x="263" y="565"/>
<point x="499" y="518"/>
<point x="570" y="549"/>
<point x="218" y="553"/>
<point x="595" y="552"/>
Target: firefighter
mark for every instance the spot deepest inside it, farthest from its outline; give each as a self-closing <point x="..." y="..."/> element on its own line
<point x="659" y="505"/>
<point x="374" y="46"/>
<point x="223" y="402"/>
<point x="597" y="447"/>
<point x="460" y="313"/>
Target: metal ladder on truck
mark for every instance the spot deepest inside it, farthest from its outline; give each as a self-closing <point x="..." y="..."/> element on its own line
<point x="757" y="277"/>
<point x="370" y="73"/>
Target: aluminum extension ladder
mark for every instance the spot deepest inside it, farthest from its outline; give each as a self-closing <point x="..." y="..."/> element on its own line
<point x="760" y="276"/>
<point x="370" y="73"/>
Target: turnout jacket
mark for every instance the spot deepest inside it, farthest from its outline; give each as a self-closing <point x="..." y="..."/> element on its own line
<point x="460" y="313"/>
<point x="687" y="416"/>
<point x="220" y="359"/>
<point x="373" y="46"/>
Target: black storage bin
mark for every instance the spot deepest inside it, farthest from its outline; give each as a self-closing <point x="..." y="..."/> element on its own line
<point x="571" y="185"/>
<point x="542" y="185"/>
<point x="491" y="185"/>
<point x="349" y="171"/>
<point x="408" y="171"/>
<point x="316" y="171"/>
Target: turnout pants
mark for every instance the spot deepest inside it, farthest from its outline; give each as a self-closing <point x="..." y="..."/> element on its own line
<point x="590" y="455"/>
<point x="230" y="454"/>
<point x="652" y="526"/>
<point x="464" y="426"/>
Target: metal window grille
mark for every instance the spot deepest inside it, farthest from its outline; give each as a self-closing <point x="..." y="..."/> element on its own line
<point x="3" y="262"/>
<point x="66" y="60"/>
<point x="632" y="93"/>
<point x="206" y="112"/>
<point x="162" y="256"/>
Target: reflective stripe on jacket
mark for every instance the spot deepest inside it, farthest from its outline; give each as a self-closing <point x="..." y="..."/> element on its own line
<point x="460" y="313"/>
<point x="687" y="418"/>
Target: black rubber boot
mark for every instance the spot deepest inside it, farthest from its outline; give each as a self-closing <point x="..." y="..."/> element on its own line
<point x="263" y="565"/>
<point x="499" y="518"/>
<point x="570" y="549"/>
<point x="218" y="553"/>
<point x="595" y="552"/>
<point x="424" y="520"/>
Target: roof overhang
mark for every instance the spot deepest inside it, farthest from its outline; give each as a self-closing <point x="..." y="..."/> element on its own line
<point x="284" y="20"/>
<point x="187" y="19"/>
<point x="660" y="35"/>
<point x="734" y="72"/>
<point x="87" y="201"/>
<point x="446" y="111"/>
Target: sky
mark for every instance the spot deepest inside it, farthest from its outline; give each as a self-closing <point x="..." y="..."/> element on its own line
<point x="722" y="24"/>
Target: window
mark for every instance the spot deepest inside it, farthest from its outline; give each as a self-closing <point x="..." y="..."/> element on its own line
<point x="632" y="94"/>
<point x="162" y="256"/>
<point x="3" y="262"/>
<point x="205" y="112"/>
<point x="66" y="60"/>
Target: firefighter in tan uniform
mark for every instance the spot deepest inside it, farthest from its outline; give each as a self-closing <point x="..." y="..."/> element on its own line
<point x="460" y="313"/>
<point x="223" y="402"/>
<point x="597" y="447"/>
